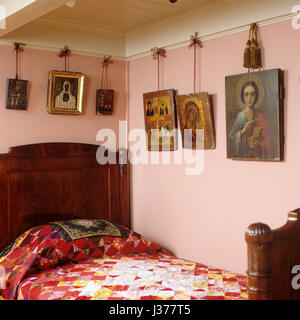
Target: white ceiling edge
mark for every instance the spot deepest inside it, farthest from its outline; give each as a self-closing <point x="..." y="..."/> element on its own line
<point x="12" y="7"/>
<point x="213" y="36"/>
<point x="101" y="54"/>
<point x="230" y="17"/>
<point x="45" y="36"/>
<point x="17" y="13"/>
<point x="57" y="50"/>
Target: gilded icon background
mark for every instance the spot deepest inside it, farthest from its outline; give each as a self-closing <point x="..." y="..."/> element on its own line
<point x="195" y="113"/>
<point x="160" y="120"/>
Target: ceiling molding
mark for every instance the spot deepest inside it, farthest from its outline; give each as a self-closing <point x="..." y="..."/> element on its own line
<point x="57" y="49"/>
<point x="215" y="35"/>
<point x="213" y="19"/>
<point x="231" y="17"/>
<point x="167" y="47"/>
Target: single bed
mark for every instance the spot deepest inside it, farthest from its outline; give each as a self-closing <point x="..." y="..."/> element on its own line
<point x="50" y="183"/>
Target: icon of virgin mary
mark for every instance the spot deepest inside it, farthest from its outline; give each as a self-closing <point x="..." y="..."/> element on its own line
<point x="65" y="99"/>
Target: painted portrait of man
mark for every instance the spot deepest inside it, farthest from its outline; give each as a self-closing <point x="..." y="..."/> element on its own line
<point x="254" y="116"/>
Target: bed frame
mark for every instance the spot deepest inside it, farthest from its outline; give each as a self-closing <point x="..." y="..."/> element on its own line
<point x="59" y="181"/>
<point x="272" y="254"/>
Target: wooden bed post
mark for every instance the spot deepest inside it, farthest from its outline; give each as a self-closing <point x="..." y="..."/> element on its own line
<point x="259" y="239"/>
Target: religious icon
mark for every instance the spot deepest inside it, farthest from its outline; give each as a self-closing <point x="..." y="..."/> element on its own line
<point x="105" y="96"/>
<point x="16" y="95"/>
<point x="254" y="115"/>
<point x="105" y="101"/>
<point x="65" y="92"/>
<point x="161" y="120"/>
<point x="65" y="99"/>
<point x="195" y="113"/>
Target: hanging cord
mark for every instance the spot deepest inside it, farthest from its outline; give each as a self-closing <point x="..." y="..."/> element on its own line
<point x="255" y="48"/>
<point x="106" y="62"/>
<point x="195" y="42"/>
<point x="18" y="49"/>
<point x="64" y="53"/>
<point x="157" y="53"/>
<point x="250" y="44"/>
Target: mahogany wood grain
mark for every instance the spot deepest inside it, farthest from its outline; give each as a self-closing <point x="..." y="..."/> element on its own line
<point x="59" y="181"/>
<point x="271" y="256"/>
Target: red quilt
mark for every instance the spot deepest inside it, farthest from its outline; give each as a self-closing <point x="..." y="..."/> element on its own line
<point x="51" y="262"/>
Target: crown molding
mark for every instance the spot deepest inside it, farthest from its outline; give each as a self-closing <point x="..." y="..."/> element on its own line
<point x="216" y="35"/>
<point x="57" y="49"/>
<point x="203" y="38"/>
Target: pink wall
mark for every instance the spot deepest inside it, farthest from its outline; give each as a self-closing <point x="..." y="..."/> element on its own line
<point x="36" y="124"/>
<point x="204" y="218"/>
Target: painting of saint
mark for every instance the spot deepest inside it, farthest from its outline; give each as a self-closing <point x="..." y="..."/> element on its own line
<point x="105" y="101"/>
<point x="160" y="120"/>
<point x="254" y="116"/>
<point x="65" y="92"/>
<point x="163" y="110"/>
<point x="16" y="97"/>
<point x="150" y="109"/>
<point x="195" y="113"/>
<point x="65" y="99"/>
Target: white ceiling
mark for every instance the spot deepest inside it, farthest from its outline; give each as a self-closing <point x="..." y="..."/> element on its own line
<point x="120" y="15"/>
<point x="127" y="28"/>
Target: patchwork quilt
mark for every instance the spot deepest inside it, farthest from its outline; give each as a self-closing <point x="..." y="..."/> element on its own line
<point x="100" y="260"/>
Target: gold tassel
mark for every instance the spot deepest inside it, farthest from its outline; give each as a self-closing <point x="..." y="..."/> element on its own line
<point x="257" y="58"/>
<point x="247" y="55"/>
<point x="252" y="54"/>
<point x="253" y="50"/>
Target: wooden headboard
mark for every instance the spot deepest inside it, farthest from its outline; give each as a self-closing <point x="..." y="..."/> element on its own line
<point x="47" y="182"/>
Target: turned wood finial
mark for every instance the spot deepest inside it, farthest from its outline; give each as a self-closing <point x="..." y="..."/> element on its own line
<point x="258" y="232"/>
<point x="259" y="238"/>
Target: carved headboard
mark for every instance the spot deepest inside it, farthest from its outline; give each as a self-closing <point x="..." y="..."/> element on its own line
<point x="47" y="182"/>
